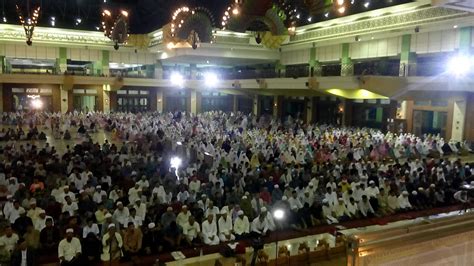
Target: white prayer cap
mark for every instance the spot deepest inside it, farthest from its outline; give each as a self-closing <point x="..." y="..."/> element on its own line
<point x="432" y="185"/>
<point x="98" y="187"/>
<point x="203" y="195"/>
<point x="414" y="193"/>
<point x="22" y="211"/>
<point x="119" y="203"/>
<point x="151" y="225"/>
<point x="81" y="191"/>
<point x="66" y="187"/>
<point x="421" y="189"/>
<point x="341" y="199"/>
<point x="263" y="209"/>
<point x="184" y="207"/>
<point x="108" y="215"/>
<point x="276" y="186"/>
<point x="405" y="193"/>
<point x="169" y="209"/>
<point x="42" y="211"/>
<point x="111" y="226"/>
<point x="69" y="230"/>
<point x="134" y="173"/>
<point x="284" y="198"/>
<point x="241" y="212"/>
<point x="244" y="197"/>
<point x="371" y="182"/>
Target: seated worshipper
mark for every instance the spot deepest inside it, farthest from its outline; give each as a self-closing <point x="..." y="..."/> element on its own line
<point x="99" y="194"/>
<point x="32" y="237"/>
<point x="209" y="231"/>
<point x="340" y="211"/>
<point x="23" y="256"/>
<point x="90" y="227"/>
<point x="172" y="236"/>
<point x="70" y="250"/>
<point x="40" y="222"/>
<point x="132" y="241"/>
<point x="69" y="206"/>
<point x="328" y="214"/>
<point x="7" y="245"/>
<point x="91" y="249"/>
<point x="403" y="202"/>
<point x="152" y="239"/>
<point x="14" y="212"/>
<point x="49" y="237"/>
<point x="183" y="216"/>
<point x="111" y="246"/>
<point x="365" y="207"/>
<point x="212" y="210"/>
<point x="225" y="227"/>
<point x="352" y="209"/>
<point x="121" y="214"/>
<point x="191" y="232"/>
<point x="168" y="217"/>
<point x="134" y="218"/>
<point x="22" y="222"/>
<point x="241" y="225"/>
<point x="260" y="226"/>
<point x="392" y="201"/>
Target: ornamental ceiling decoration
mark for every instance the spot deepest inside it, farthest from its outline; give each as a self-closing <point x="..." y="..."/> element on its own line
<point x="189" y="27"/>
<point x="28" y="15"/>
<point x="115" y="26"/>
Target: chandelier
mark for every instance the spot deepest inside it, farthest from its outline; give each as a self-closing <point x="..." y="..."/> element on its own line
<point x="115" y="29"/>
<point x="29" y="20"/>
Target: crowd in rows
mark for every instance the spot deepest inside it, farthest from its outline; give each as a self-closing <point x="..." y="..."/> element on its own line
<point x="168" y="181"/>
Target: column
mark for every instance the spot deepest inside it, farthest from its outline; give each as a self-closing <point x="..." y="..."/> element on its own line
<point x="1" y="98"/>
<point x="158" y="70"/>
<point x="347" y="67"/>
<point x="309" y="110"/>
<point x="459" y="119"/>
<point x="347" y="113"/>
<point x="2" y="64"/>
<point x="280" y="69"/>
<point x="159" y="101"/>
<point x="195" y="102"/>
<point x="407" y="58"/>
<point x="106" y="98"/>
<point x="276" y="106"/>
<point x="256" y="105"/>
<point x="314" y="64"/>
<point x="62" y="60"/>
<point x="105" y="63"/>
<point x="235" y="106"/>
<point x="64" y="99"/>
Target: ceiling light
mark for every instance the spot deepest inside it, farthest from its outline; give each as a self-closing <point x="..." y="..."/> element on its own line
<point x="459" y="66"/>
<point x="455" y="26"/>
<point x="366" y="4"/>
<point x="309" y="19"/>
<point x="177" y="79"/>
<point x="341" y="10"/>
<point x="326" y="14"/>
<point x="124" y="13"/>
<point x="4" y="19"/>
<point x="235" y="11"/>
<point x="210" y="79"/>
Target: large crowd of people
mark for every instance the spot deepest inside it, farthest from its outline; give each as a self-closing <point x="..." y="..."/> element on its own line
<point x="167" y="181"/>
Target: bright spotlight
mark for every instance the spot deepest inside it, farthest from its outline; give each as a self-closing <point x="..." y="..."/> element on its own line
<point x="279" y="214"/>
<point x="36" y="104"/>
<point x="366" y="4"/>
<point x="124" y="13"/>
<point x="177" y="79"/>
<point x="459" y="66"/>
<point x="235" y="11"/>
<point x="210" y="79"/>
<point x="175" y="163"/>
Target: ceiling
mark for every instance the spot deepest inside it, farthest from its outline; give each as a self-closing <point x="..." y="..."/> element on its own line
<point x="149" y="15"/>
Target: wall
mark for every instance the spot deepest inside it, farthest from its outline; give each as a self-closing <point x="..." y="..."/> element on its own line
<point x="469" y="127"/>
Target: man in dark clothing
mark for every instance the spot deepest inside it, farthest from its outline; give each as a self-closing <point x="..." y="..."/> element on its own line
<point x="23" y="254"/>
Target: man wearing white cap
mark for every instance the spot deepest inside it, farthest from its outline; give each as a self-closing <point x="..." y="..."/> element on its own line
<point x="241" y="225"/>
<point x="14" y="213"/>
<point x="328" y="213"/>
<point x="70" y="249"/>
<point x="121" y="214"/>
<point x="133" y="193"/>
<point x="191" y="231"/>
<point x="183" y="216"/>
<point x="225" y="227"/>
<point x="97" y="198"/>
<point x="260" y="226"/>
<point x="112" y="244"/>
<point x="209" y="231"/>
<point x="69" y="206"/>
<point x="403" y="201"/>
<point x="40" y="222"/>
<point x="34" y="210"/>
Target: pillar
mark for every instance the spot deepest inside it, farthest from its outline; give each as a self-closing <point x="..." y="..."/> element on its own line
<point x="159" y="100"/>
<point x="347" y="113"/>
<point x="256" y="105"/>
<point x="280" y="69"/>
<point x="105" y="63"/>
<point x="407" y="58"/>
<point x="314" y="64"/>
<point x="195" y="102"/>
<point x="106" y="98"/>
<point x="459" y="119"/>
<point x="158" y="70"/>
<point x="64" y="99"/>
<point x="347" y="67"/>
<point x="62" y="60"/>
<point x="309" y="110"/>
<point x="235" y="102"/>
<point x="2" y="64"/>
<point x="1" y="98"/>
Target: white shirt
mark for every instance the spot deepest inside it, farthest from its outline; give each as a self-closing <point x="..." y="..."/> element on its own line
<point x="403" y="202"/>
<point x="258" y="226"/>
<point x="71" y="208"/>
<point x="241" y="225"/>
<point x="93" y="229"/>
<point x="68" y="250"/>
<point x="121" y="216"/>
<point x="97" y="198"/>
<point x="14" y="213"/>
<point x="40" y="224"/>
<point x="295" y="203"/>
<point x="191" y="231"/>
<point x="183" y="219"/>
<point x="225" y="226"/>
<point x="365" y="207"/>
<point x="209" y="229"/>
<point x="8" y="243"/>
